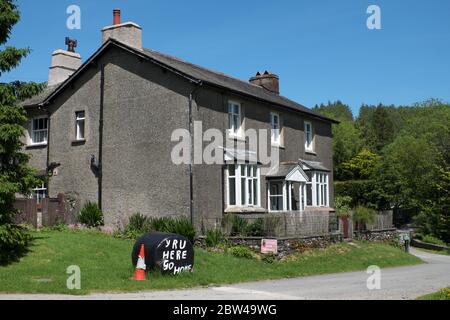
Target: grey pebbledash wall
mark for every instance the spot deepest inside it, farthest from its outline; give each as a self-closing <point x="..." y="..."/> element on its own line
<point x="143" y="105"/>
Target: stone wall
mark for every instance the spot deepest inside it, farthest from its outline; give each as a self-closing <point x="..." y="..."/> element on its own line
<point x="377" y="235"/>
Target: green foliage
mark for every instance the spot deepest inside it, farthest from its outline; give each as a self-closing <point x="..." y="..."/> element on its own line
<point x="241" y="252"/>
<point x="14" y="241"/>
<point x="256" y="228"/>
<point x="433" y="240"/>
<point x="16" y="177"/>
<point x="239" y="226"/>
<point x="361" y="166"/>
<point x="269" y="258"/>
<point x="181" y="226"/>
<point x="271" y="222"/>
<point x="335" y="110"/>
<point x="342" y="205"/>
<point x="363" y="216"/>
<point x="91" y="215"/>
<point x="360" y="191"/>
<point x="214" y="238"/>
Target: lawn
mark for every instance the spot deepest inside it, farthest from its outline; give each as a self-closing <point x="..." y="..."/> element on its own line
<point x="105" y="264"/>
<point x="443" y="294"/>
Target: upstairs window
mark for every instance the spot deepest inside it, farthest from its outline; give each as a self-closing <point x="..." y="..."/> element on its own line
<point x="234" y="119"/>
<point x="79" y="125"/>
<point x="39" y="131"/>
<point x="309" y="137"/>
<point x="276" y="128"/>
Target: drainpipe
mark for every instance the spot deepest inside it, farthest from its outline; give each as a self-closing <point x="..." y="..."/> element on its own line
<point x="100" y="135"/>
<point x="191" y="157"/>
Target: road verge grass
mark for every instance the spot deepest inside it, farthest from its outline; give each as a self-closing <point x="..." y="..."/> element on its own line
<point x="105" y="264"/>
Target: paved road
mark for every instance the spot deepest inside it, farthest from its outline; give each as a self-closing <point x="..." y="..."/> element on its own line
<point x="396" y="283"/>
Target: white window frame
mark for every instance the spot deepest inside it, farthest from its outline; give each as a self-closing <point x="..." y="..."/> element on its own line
<point x="320" y="190"/>
<point x="282" y="195"/>
<point x="35" y="131"/>
<point x="78" y="121"/>
<point x="275" y="132"/>
<point x="232" y="116"/>
<point x="40" y="192"/>
<point x="250" y="195"/>
<point x="309" y="143"/>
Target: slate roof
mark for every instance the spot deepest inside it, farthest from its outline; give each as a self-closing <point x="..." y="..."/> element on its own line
<point x="192" y="71"/>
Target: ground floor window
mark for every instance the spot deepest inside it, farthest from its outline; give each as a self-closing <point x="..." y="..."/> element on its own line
<point x="317" y="190"/>
<point x="276" y="195"/>
<point x="40" y="192"/>
<point x="243" y="187"/>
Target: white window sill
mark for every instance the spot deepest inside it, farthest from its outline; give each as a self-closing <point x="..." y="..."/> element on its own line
<point x="36" y="145"/>
<point x="277" y="145"/>
<point x="311" y="152"/>
<point x="236" y="137"/>
<point x="255" y="209"/>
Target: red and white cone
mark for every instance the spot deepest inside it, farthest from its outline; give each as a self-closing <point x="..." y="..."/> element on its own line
<point x="139" y="273"/>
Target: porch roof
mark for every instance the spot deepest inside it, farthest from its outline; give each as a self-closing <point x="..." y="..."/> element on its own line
<point x="313" y="165"/>
<point x="288" y="171"/>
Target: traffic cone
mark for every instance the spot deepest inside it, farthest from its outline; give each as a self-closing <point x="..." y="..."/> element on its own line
<point x="139" y="273"/>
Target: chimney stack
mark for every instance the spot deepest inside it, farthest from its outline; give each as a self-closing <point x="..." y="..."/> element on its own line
<point x="64" y="63"/>
<point x="267" y="80"/>
<point x="128" y="33"/>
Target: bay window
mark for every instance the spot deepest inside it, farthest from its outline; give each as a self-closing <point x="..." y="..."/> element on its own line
<point x="243" y="187"/>
<point x="317" y="189"/>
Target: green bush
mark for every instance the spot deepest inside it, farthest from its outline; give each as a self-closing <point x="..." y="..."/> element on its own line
<point x="256" y="228"/>
<point x="241" y="252"/>
<point x="14" y="241"/>
<point x="181" y="226"/>
<point x="363" y="216"/>
<point x="214" y="238"/>
<point x="136" y="223"/>
<point x="342" y="205"/>
<point x="269" y="258"/>
<point x="91" y="215"/>
<point x="239" y="226"/>
<point x="433" y="240"/>
<point x="360" y="191"/>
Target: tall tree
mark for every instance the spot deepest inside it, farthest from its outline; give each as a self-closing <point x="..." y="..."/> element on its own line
<point x="15" y="174"/>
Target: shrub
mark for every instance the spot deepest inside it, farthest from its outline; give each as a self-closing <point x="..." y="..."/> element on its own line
<point x="136" y="223"/>
<point x="342" y="205"/>
<point x="239" y="226"/>
<point x="14" y="241"/>
<point x="363" y="216"/>
<point x="241" y="252"/>
<point x="360" y="191"/>
<point x="269" y="258"/>
<point x="214" y="238"/>
<point x="445" y="293"/>
<point x="91" y="215"/>
<point x="181" y="226"/>
<point x="256" y="229"/>
<point x="433" y="240"/>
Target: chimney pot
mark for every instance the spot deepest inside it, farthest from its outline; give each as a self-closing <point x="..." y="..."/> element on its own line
<point x="116" y="16"/>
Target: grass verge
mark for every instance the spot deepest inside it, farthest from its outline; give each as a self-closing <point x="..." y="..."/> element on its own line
<point x="443" y="294"/>
<point x="105" y="264"/>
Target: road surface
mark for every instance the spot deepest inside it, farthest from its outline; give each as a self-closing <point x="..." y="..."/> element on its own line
<point x="396" y="283"/>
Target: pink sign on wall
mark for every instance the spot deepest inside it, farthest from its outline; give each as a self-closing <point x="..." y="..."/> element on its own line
<point x="269" y="246"/>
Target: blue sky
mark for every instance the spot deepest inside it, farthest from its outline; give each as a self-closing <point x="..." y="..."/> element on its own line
<point x="322" y="50"/>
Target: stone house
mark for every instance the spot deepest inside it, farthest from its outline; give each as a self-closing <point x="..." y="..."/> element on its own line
<point x="104" y="130"/>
